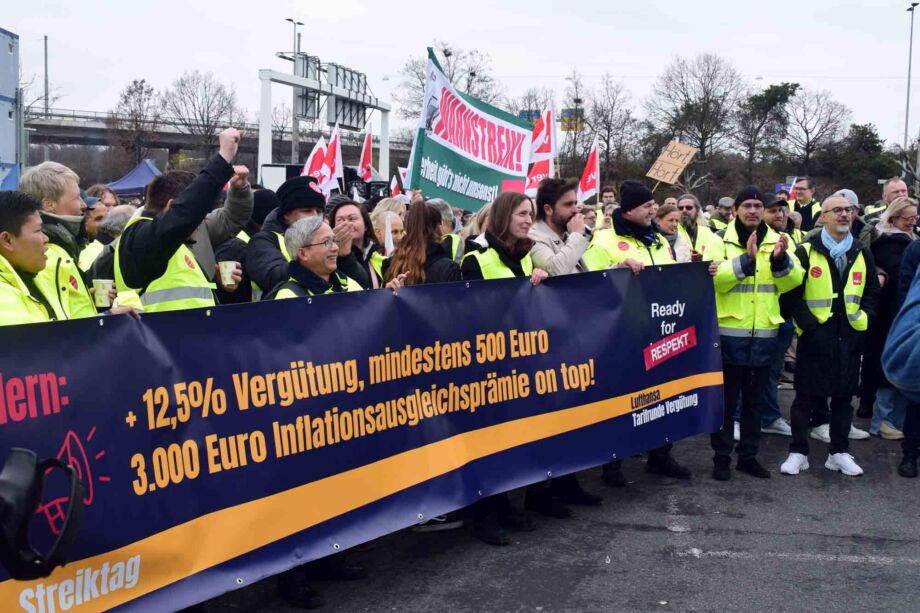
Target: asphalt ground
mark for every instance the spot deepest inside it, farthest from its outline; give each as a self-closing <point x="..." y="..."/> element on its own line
<point x="819" y="541"/>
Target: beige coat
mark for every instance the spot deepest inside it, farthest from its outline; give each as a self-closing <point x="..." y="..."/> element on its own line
<point x="555" y="255"/>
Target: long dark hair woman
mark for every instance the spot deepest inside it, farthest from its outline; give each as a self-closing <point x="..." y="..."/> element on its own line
<point x="420" y="254"/>
<point x="507" y="253"/>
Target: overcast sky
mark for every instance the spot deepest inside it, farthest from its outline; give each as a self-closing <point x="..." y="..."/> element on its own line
<point x="857" y="50"/>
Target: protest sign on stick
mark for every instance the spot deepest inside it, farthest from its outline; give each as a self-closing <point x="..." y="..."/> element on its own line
<point x="671" y="163"/>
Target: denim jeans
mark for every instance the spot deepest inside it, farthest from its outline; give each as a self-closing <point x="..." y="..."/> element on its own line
<point x="890" y="405"/>
<point x="770" y="408"/>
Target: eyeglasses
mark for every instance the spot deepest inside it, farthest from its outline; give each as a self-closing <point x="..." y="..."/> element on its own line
<point x="327" y="243"/>
<point x="911" y="220"/>
<point x="686" y="208"/>
<point x="841" y="210"/>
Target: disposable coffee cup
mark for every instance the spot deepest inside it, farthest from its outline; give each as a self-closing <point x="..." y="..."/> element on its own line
<point x="226" y="272"/>
<point x="101" y="288"/>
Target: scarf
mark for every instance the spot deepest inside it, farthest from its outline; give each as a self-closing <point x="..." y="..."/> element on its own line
<point x="837" y="250"/>
<point x="647" y="235"/>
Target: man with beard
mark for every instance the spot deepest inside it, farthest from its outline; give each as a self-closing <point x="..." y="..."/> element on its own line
<point x="832" y="309"/>
<point x="559" y="232"/>
<point x="699" y="236"/>
<point x="559" y="244"/>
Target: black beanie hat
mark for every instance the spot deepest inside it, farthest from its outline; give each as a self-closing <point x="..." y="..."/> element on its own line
<point x="300" y="193"/>
<point x="264" y="201"/>
<point x="748" y="193"/>
<point x="633" y="194"/>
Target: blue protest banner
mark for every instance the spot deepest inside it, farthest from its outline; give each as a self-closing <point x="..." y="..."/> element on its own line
<point x="220" y="446"/>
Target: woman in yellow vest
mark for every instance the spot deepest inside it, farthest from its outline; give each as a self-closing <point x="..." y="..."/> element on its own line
<point x="507" y="250"/>
<point x="506" y="255"/>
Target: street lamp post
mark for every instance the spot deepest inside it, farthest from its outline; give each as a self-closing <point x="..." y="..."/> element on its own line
<point x="910" y="57"/>
<point x="295" y="125"/>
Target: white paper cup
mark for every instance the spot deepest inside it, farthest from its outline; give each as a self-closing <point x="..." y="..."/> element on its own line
<point x="101" y="289"/>
<point x="226" y="272"/>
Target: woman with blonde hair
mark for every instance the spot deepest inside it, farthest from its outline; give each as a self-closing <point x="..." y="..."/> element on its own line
<point x="897" y="230"/>
<point x="393" y="205"/>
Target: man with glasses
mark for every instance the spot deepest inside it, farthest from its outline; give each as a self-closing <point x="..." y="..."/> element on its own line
<point x="314" y="263"/>
<point x="754" y="268"/>
<point x="803" y="191"/>
<point x="699" y="236"/>
<point x="831" y="309"/>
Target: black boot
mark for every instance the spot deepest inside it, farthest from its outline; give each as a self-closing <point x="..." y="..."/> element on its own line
<point x="752" y="467"/>
<point x="294" y="590"/>
<point x="908" y="467"/>
<point x="541" y="501"/>
<point x="612" y="474"/>
<point x="568" y="490"/>
<point x="722" y="468"/>
<point x="667" y="467"/>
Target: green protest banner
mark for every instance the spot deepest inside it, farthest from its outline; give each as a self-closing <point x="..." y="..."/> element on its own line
<point x="465" y="150"/>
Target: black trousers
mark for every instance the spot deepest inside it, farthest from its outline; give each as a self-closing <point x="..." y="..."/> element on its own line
<point x="749" y="382"/>
<point x="911" y="443"/>
<point x="803" y="410"/>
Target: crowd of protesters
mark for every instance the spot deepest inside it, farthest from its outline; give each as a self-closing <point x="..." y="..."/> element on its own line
<point x="806" y="291"/>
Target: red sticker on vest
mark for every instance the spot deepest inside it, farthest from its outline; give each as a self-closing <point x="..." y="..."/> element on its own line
<point x="623" y="245"/>
<point x="189" y="262"/>
<point x="857" y="278"/>
<point x="816" y="272"/>
<point x="73" y="282"/>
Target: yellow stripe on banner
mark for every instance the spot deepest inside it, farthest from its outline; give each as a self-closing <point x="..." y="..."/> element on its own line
<point x="211" y="539"/>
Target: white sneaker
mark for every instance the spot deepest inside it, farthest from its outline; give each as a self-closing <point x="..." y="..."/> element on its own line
<point x="777" y="426"/>
<point x="795" y="463"/>
<point x="737" y="431"/>
<point x="821" y="433"/>
<point x="856" y="434"/>
<point x="844" y="463"/>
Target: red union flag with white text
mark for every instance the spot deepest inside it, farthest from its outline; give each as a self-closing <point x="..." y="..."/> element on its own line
<point x="587" y="187"/>
<point x="315" y="166"/>
<point x="542" y="152"/>
<point x="364" y="165"/>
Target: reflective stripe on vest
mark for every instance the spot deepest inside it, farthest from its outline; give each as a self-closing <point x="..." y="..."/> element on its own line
<point x="819" y="289"/>
<point x="492" y="266"/>
<point x="281" y="246"/>
<point x="292" y="289"/>
<point x="182" y="286"/>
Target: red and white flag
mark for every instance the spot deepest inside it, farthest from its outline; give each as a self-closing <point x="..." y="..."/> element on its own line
<point x="334" y="166"/>
<point x="542" y="152"/>
<point x="587" y="187"/>
<point x="394" y="187"/>
<point x="402" y="174"/>
<point x="364" y="164"/>
<point x="315" y="166"/>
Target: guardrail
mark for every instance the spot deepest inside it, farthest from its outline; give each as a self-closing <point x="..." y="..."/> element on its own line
<point x="351" y="138"/>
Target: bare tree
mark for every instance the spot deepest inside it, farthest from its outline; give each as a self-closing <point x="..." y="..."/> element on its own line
<point x="815" y="119"/>
<point x="200" y="104"/>
<point x="760" y="122"/>
<point x="470" y="71"/>
<point x="135" y="119"/>
<point x="281" y="120"/>
<point x="34" y="96"/>
<point x="534" y="99"/>
<point x="576" y="143"/>
<point x="694" y="99"/>
<point x="611" y="119"/>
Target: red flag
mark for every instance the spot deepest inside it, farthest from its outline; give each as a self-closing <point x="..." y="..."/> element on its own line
<point x="334" y="168"/>
<point x="587" y="187"/>
<point x="364" y="165"/>
<point x="539" y="171"/>
<point x="315" y="166"/>
<point x="542" y="152"/>
<point x="394" y="187"/>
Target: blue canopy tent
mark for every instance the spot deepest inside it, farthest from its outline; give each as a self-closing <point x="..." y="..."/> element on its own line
<point x="133" y="184"/>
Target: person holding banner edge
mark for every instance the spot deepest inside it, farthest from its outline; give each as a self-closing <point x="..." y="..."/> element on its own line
<point x="634" y="241"/>
<point x="754" y="268"/>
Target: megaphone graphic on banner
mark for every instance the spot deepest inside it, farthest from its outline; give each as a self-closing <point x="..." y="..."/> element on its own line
<point x="71" y="453"/>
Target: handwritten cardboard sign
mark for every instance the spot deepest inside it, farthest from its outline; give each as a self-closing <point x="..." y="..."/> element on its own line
<point x="672" y="162"/>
